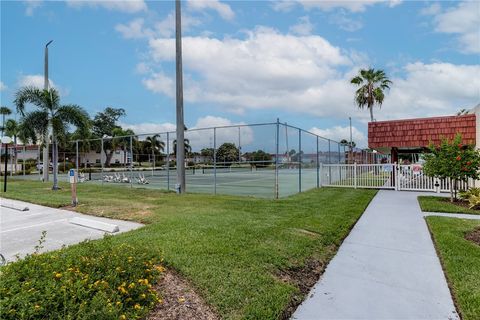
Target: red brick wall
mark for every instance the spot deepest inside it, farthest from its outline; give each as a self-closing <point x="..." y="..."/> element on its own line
<point x="420" y="132"/>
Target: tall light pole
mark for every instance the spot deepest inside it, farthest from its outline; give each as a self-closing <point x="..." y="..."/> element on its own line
<point x="181" y="188"/>
<point x="46" y="163"/>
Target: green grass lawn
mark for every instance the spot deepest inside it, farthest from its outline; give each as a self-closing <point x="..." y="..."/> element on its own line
<point x="438" y="204"/>
<point x="461" y="261"/>
<point x="230" y="248"/>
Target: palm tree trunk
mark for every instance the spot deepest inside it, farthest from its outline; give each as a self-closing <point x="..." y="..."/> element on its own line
<point x="55" y="161"/>
<point x="15" y="151"/>
<point x="371" y="112"/>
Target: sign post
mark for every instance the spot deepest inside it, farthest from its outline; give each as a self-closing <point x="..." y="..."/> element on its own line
<point x="72" y="175"/>
<point x="6" y="140"/>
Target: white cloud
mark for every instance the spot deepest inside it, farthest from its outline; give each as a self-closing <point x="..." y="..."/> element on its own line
<point x="303" y="27"/>
<point x="464" y="21"/>
<point x="224" y="10"/>
<point x="149" y="127"/>
<point x="351" y="5"/>
<point x="160" y="83"/>
<point x="337" y="133"/>
<point x="344" y="22"/>
<point x="35" y="80"/>
<point x="31" y="6"/>
<point x="432" y="9"/>
<point x="304" y="74"/>
<point x="127" y="6"/>
<point x="2" y="86"/>
<point x="134" y="29"/>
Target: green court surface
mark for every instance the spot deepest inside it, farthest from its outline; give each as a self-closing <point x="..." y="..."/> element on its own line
<point x="235" y="181"/>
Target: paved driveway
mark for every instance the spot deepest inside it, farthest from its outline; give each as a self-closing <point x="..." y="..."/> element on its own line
<point x="21" y="230"/>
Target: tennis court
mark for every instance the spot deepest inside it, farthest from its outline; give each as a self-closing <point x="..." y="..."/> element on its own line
<point x="258" y="182"/>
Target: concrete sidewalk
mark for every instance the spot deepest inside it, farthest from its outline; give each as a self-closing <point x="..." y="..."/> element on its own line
<point x="21" y="230"/>
<point x="387" y="268"/>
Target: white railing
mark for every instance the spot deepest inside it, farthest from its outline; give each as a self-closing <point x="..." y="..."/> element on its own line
<point x="385" y="176"/>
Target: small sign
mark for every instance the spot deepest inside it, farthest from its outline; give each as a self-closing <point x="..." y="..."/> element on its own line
<point x="72" y="175"/>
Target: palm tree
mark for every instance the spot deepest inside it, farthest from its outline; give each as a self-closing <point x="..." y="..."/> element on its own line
<point x="12" y="129"/>
<point x="188" y="148"/>
<point x="372" y="84"/>
<point x="121" y="140"/>
<point x="49" y="114"/>
<point x="154" y="145"/>
<point x="4" y="111"/>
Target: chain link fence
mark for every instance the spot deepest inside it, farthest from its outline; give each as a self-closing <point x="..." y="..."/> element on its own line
<point x="269" y="160"/>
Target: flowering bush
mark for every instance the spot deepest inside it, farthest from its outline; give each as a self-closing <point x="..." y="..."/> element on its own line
<point x="93" y="280"/>
<point x="454" y="161"/>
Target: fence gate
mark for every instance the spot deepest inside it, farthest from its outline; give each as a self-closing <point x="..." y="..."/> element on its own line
<point x="384" y="176"/>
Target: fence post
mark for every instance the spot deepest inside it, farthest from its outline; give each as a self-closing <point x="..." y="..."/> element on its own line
<point x="355" y="175"/>
<point x="276" y="157"/>
<point x="168" y="161"/>
<point x="131" y="161"/>
<point x="299" y="160"/>
<point x="214" y="160"/>
<point x="321" y="175"/>
<point x="318" y="167"/>
<point x="101" y="159"/>
<point x="395" y="176"/>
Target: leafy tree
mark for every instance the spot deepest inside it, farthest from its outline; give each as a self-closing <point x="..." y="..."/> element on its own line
<point x="106" y="121"/>
<point x="372" y="84"/>
<point x="50" y="113"/>
<point x="453" y="161"/>
<point x="260" y="158"/>
<point x="227" y="152"/>
<point x="207" y="153"/>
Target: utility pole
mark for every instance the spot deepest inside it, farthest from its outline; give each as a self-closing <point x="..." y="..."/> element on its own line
<point x="181" y="188"/>
<point x="46" y="162"/>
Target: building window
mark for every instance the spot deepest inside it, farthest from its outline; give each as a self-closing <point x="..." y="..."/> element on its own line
<point x="97" y="160"/>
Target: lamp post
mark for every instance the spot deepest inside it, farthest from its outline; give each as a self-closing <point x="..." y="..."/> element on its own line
<point x="46" y="162"/>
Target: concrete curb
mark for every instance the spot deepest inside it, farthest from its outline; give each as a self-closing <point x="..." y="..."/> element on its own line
<point x="95" y="224"/>
<point x="14" y="207"/>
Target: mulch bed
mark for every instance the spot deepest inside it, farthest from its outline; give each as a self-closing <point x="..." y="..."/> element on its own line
<point x="474" y="236"/>
<point x="460" y="203"/>
<point x="179" y="301"/>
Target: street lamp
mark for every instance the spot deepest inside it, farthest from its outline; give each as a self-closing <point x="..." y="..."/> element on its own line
<point x="45" y="138"/>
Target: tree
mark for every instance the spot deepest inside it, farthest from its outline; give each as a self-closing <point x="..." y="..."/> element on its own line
<point x="227" y="152"/>
<point x="207" y="153"/>
<point x="188" y="148"/>
<point x="121" y="140"/>
<point x="372" y="84"/>
<point x="154" y="145"/>
<point x="259" y="158"/>
<point x="4" y="111"/>
<point x="12" y="129"/>
<point x="103" y="125"/>
<point x="453" y="161"/>
<point x="49" y="114"/>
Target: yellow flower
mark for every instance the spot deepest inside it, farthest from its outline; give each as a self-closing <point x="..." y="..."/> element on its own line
<point x="37" y="307"/>
<point x="118" y="303"/>
<point x="137" y="306"/>
<point x="122" y="290"/>
<point x="143" y="295"/>
<point x="181" y="299"/>
<point x="58" y="275"/>
<point x="131" y="285"/>
<point x="160" y="268"/>
<point x="123" y="317"/>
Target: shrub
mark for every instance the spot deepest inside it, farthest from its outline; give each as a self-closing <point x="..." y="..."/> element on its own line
<point x="472" y="196"/>
<point x="92" y="280"/>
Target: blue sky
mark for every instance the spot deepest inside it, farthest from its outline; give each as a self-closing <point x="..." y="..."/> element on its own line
<point x="247" y="61"/>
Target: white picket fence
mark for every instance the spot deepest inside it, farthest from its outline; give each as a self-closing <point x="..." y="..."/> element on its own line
<point x="383" y="176"/>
